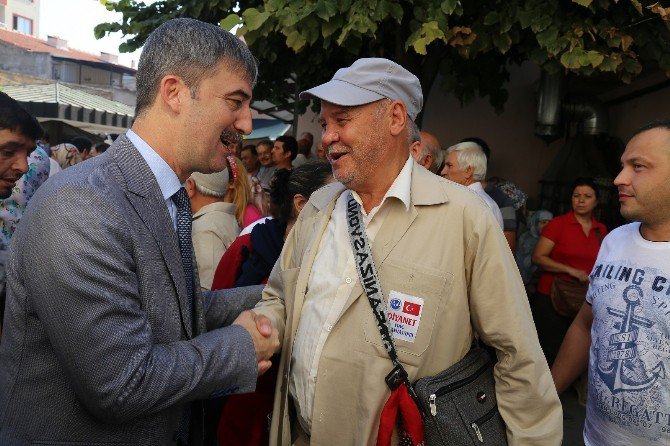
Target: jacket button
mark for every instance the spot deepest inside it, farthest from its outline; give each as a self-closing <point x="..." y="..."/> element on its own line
<point x="481" y="397"/>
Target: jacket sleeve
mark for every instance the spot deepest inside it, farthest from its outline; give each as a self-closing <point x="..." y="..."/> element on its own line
<point x="500" y="313"/>
<point x="281" y="283"/>
<point x="85" y="289"/>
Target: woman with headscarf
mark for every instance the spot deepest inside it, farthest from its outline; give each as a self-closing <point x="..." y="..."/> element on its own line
<point x="66" y="155"/>
<point x="527" y="242"/>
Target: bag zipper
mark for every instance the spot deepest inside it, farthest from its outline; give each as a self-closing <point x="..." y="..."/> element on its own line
<point x="453" y="386"/>
<point x="481" y="420"/>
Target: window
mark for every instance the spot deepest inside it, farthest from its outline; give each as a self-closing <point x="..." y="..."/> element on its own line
<point x="22" y="24"/>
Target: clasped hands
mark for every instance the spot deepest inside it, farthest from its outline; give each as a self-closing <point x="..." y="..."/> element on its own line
<point x="264" y="336"/>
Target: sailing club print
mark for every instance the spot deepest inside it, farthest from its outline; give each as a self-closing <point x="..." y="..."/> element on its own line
<point x="631" y="347"/>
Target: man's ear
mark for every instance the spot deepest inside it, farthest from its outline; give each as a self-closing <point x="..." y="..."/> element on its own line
<point x="299" y="202"/>
<point x="428" y="161"/>
<point x="398" y="117"/>
<point x="190" y="187"/>
<point x="469" y="172"/>
<point x="171" y="92"/>
<point x="414" y="149"/>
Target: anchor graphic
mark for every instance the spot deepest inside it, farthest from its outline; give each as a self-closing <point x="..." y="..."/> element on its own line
<point x="626" y="371"/>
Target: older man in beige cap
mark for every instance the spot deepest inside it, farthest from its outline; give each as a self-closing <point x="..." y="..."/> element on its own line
<point x="444" y="273"/>
<point x="214" y="224"/>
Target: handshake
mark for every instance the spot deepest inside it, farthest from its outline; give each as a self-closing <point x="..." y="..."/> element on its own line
<point x="265" y="338"/>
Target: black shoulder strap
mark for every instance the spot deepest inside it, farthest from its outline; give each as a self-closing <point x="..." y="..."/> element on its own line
<point x="367" y="274"/>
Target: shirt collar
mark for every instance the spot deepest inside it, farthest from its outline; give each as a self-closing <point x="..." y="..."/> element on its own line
<point x="476" y="186"/>
<point x="572" y="219"/>
<point x="167" y="179"/>
<point x="400" y="188"/>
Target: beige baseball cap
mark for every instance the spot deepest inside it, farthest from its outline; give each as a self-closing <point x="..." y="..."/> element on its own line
<point x="368" y="80"/>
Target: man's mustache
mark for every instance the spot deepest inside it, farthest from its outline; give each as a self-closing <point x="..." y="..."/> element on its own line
<point x="229" y="137"/>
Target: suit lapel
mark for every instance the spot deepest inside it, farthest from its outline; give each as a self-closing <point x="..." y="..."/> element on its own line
<point x="145" y="196"/>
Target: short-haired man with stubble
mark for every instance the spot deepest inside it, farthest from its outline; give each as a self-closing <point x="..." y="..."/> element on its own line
<point x="109" y="339"/>
<point x="267" y="169"/>
<point x="249" y="157"/>
<point x="284" y="151"/>
<point x="19" y="132"/>
<point x="622" y="332"/>
<point x="458" y="281"/>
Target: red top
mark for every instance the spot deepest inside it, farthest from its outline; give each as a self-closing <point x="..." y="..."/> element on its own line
<point x="230" y="263"/>
<point x="571" y="247"/>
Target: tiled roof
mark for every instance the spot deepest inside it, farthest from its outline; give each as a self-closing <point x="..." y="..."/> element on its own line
<point x="57" y="93"/>
<point x="35" y="45"/>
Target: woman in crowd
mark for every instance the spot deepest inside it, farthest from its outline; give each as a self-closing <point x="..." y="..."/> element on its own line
<point x="566" y="251"/>
<point x="239" y="193"/>
<point x="66" y="155"/>
<point x="248" y="261"/>
<point x="526" y="246"/>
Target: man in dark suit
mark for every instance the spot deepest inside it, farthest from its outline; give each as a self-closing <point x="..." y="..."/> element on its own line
<point x="107" y="337"/>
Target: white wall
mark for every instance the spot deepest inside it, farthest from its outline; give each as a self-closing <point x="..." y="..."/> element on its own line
<point x="26" y="8"/>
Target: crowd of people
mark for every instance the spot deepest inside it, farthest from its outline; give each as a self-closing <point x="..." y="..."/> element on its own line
<point x="186" y="288"/>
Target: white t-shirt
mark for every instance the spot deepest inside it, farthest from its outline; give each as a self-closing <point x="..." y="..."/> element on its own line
<point x="629" y="361"/>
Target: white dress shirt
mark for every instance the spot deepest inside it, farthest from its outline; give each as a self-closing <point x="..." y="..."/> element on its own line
<point x="331" y="281"/>
<point x="167" y="179"/>
<point x="479" y="190"/>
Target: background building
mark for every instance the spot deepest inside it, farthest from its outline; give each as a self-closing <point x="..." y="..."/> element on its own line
<point x="20" y="15"/>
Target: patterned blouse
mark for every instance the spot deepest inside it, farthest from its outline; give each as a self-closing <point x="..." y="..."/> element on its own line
<point x="12" y="208"/>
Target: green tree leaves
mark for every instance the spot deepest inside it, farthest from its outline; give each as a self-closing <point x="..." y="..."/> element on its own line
<point x="471" y="43"/>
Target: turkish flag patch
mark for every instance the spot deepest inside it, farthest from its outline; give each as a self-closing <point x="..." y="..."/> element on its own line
<point x="411" y="308"/>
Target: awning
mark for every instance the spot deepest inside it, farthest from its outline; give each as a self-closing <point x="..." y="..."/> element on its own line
<point x="59" y="131"/>
<point x="58" y="101"/>
<point x="96" y="114"/>
<point x="267" y="129"/>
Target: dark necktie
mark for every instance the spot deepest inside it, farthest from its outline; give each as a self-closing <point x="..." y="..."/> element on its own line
<point x="181" y="200"/>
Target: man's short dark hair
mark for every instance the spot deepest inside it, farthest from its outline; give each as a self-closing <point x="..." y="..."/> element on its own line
<point x="265" y="142"/>
<point x="101" y="147"/>
<point x="192" y="50"/>
<point x="82" y="143"/>
<point x="250" y="147"/>
<point x="481" y="143"/>
<point x="657" y="124"/>
<point x="290" y="144"/>
<point x="16" y="119"/>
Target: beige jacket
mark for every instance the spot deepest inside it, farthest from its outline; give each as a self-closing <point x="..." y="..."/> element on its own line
<point x="214" y="229"/>
<point x="449" y="250"/>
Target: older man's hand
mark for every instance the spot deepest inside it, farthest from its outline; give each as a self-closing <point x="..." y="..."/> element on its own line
<point x="265" y="338"/>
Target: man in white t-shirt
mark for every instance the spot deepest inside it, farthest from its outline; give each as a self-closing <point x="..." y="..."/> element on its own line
<point x="623" y="332"/>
